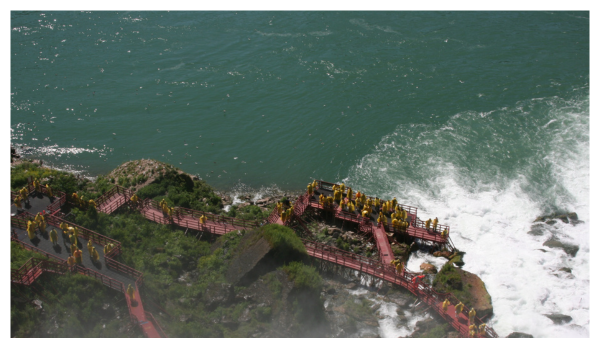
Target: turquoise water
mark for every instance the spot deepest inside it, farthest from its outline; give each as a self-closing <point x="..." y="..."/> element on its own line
<point x="480" y="118"/>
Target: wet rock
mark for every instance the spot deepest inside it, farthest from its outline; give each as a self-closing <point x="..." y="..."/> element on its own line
<point x="263" y="201"/>
<point x="519" y="335"/>
<point x="536" y="230"/>
<point x="569" y="249"/>
<point x="428" y="268"/>
<point x="565" y="270"/>
<point x="558" y="318"/>
<point x="573" y="216"/>
<point x="425" y="325"/>
<point x="551" y="222"/>
<point x="540" y="219"/>
<point x="563" y="218"/>
<point x="445" y="254"/>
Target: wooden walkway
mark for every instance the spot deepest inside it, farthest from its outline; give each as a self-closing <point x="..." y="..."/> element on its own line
<point x="113" y="199"/>
<point x="109" y="271"/>
<point x="219" y="225"/>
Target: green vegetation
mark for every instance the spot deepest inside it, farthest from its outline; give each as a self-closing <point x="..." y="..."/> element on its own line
<point x="449" y="279"/>
<point x="249" y="212"/>
<point x="340" y="243"/>
<point x="180" y="190"/>
<point x="19" y="256"/>
<point x="72" y="305"/>
<point x="178" y="267"/>
<point x="436" y="332"/>
<point x="304" y="276"/>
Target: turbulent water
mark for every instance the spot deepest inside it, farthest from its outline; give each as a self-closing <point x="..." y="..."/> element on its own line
<point x="478" y="118"/>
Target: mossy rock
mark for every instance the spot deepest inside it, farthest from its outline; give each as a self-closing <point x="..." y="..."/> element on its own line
<point x="465" y="286"/>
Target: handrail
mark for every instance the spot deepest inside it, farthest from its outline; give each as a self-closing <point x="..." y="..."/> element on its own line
<point x="32" y="248"/>
<point x="180" y="212"/>
<point x="83" y="232"/>
<point x="328" y="186"/>
<point x="156" y="323"/>
<point x="387" y="273"/>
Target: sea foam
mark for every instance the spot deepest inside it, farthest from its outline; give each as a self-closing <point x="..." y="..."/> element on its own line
<point x="488" y="175"/>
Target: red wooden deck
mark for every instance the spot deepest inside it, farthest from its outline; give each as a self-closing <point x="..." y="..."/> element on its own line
<point x="187" y="221"/>
<point x="113" y="199"/>
<point x="121" y="274"/>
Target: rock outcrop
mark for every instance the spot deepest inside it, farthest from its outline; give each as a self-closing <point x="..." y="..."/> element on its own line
<point x="465" y="286"/>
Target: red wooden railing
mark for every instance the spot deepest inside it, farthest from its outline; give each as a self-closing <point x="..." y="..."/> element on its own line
<point x="329" y="186"/>
<point x="33" y="268"/>
<point x="117" y="189"/>
<point x="377" y="269"/>
<point x="156" y="323"/>
<point x="181" y="212"/>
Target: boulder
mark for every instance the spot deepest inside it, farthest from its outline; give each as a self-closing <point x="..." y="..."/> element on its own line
<point x="536" y="230"/>
<point x="569" y="249"/>
<point x="445" y="254"/>
<point x="558" y="318"/>
<point x="563" y="218"/>
<point x="428" y="268"/>
<point x="465" y="286"/>
<point x="573" y="216"/>
<point x="242" y="265"/>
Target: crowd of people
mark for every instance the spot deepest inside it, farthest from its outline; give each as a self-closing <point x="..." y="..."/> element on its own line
<point x="389" y="212"/>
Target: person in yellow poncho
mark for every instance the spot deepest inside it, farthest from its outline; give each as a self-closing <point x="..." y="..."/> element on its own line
<point x="49" y="191"/>
<point x="92" y="204"/>
<point x="342" y="204"/>
<point x="65" y="228"/>
<point x="107" y="248"/>
<point x="458" y="308"/>
<point x="384" y="207"/>
<point x="134" y="199"/>
<point x="283" y="216"/>
<point x="71" y="261"/>
<point x="309" y="189"/>
<point x="349" y="194"/>
<point x="202" y="219"/>
<point x="31" y="232"/>
<point x="428" y="224"/>
<point x="472" y="315"/>
<point x="130" y="292"/>
<point x="94" y="254"/>
<point x="24" y="194"/>
<point x="400" y="268"/>
<point x="365" y="213"/>
<point x="445" y="233"/>
<point x="435" y="224"/>
<point x="445" y="305"/>
<point x="77" y="254"/>
<point x="73" y="239"/>
<point x="18" y="202"/>
<point x="75" y="198"/>
<point x="342" y="187"/>
<point x="482" y="329"/>
<point x="42" y="225"/>
<point x="90" y="246"/>
<point x="53" y="236"/>
<point x="351" y="207"/>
